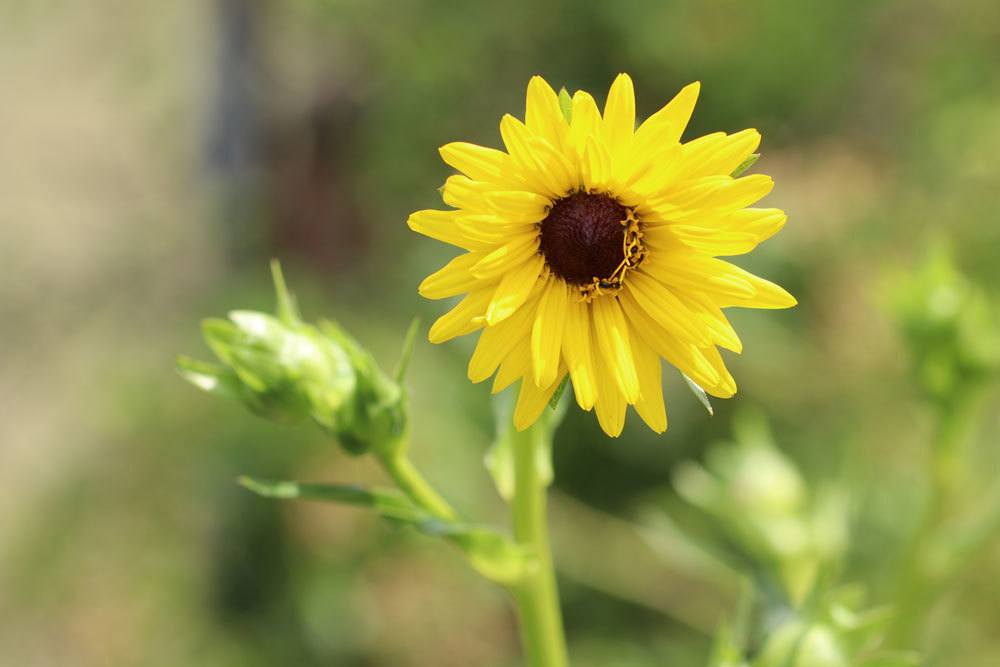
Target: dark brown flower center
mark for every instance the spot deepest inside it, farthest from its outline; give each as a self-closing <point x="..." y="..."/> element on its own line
<point x="583" y="237"/>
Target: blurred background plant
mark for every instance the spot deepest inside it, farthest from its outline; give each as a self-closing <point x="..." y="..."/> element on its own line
<point x="155" y="155"/>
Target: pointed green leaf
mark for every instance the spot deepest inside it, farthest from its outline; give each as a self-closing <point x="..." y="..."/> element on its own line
<point x="407" y="353"/>
<point x="288" y="311"/>
<point x="490" y="553"/>
<point x="699" y="393"/>
<point x="389" y="503"/>
<point x="566" y="104"/>
<point x="746" y="164"/>
<point x="554" y="401"/>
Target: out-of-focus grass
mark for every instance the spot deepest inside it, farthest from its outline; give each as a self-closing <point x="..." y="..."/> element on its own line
<point x="123" y="537"/>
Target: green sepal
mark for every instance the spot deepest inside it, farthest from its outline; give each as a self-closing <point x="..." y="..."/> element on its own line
<point x="211" y="378"/>
<point x="699" y="393"/>
<point x="493" y="555"/>
<point x="554" y="401"/>
<point x="288" y="310"/>
<point x="407" y="353"/>
<point x="566" y="104"/>
<point x="746" y="164"/>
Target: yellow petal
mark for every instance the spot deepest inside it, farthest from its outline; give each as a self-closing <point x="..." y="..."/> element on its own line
<point x="542" y="167"/>
<point x="463" y="192"/>
<point x="676" y="113"/>
<point x="718" y="153"/>
<point x="708" y="195"/>
<point x="761" y="222"/>
<point x="665" y="308"/>
<point x="719" y="329"/>
<point x="595" y="165"/>
<point x="542" y="114"/>
<point x="586" y="121"/>
<point x="463" y="319"/>
<point x="619" y="115"/>
<point x="446" y="226"/>
<point x="516" y="365"/>
<point x="713" y="241"/>
<point x="613" y="342"/>
<point x="726" y="387"/>
<point x="519" y="205"/>
<point x="689" y="271"/>
<point x="650" y="404"/>
<point x="578" y="355"/>
<point x="496" y="342"/>
<point x="610" y="405"/>
<point x="653" y="167"/>
<point x="766" y="294"/>
<point x="532" y="400"/>
<point x="547" y="332"/>
<point x="452" y="279"/>
<point x="514" y="289"/>
<point x="507" y="256"/>
<point x="682" y="355"/>
<point x="482" y="164"/>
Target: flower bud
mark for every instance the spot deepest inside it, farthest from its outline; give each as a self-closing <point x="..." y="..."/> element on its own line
<point x="947" y="325"/>
<point x="286" y="370"/>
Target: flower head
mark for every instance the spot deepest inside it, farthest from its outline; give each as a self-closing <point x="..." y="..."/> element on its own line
<point x="591" y="250"/>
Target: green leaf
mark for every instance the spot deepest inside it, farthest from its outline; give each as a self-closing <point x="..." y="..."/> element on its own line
<point x="288" y="310"/>
<point x="389" y="503"/>
<point x="699" y="393"/>
<point x="407" y="353"/>
<point x="554" y="401"/>
<point x="746" y="164"/>
<point x="566" y="104"/>
<point x="490" y="553"/>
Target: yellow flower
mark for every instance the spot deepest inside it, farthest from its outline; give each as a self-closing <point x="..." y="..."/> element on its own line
<point x="591" y="249"/>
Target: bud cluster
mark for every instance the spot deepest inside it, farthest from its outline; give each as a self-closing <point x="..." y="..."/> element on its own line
<point x="284" y="369"/>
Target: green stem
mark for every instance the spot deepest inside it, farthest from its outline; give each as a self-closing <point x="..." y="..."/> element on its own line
<point x="413" y="484"/>
<point x="536" y="596"/>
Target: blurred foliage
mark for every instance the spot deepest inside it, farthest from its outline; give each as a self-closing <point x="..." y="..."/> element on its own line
<point x="155" y="155"/>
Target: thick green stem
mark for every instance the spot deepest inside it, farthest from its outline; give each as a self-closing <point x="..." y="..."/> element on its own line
<point x="537" y="596"/>
<point x="413" y="484"/>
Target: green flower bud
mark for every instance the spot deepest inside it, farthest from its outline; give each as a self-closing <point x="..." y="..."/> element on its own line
<point x="288" y="372"/>
<point x="947" y="325"/>
<point x="284" y="369"/>
<point x="797" y="645"/>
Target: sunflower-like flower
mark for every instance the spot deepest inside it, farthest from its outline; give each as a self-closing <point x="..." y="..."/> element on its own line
<point x="592" y="249"/>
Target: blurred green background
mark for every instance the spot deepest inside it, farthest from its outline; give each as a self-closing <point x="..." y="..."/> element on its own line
<point x="155" y="155"/>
